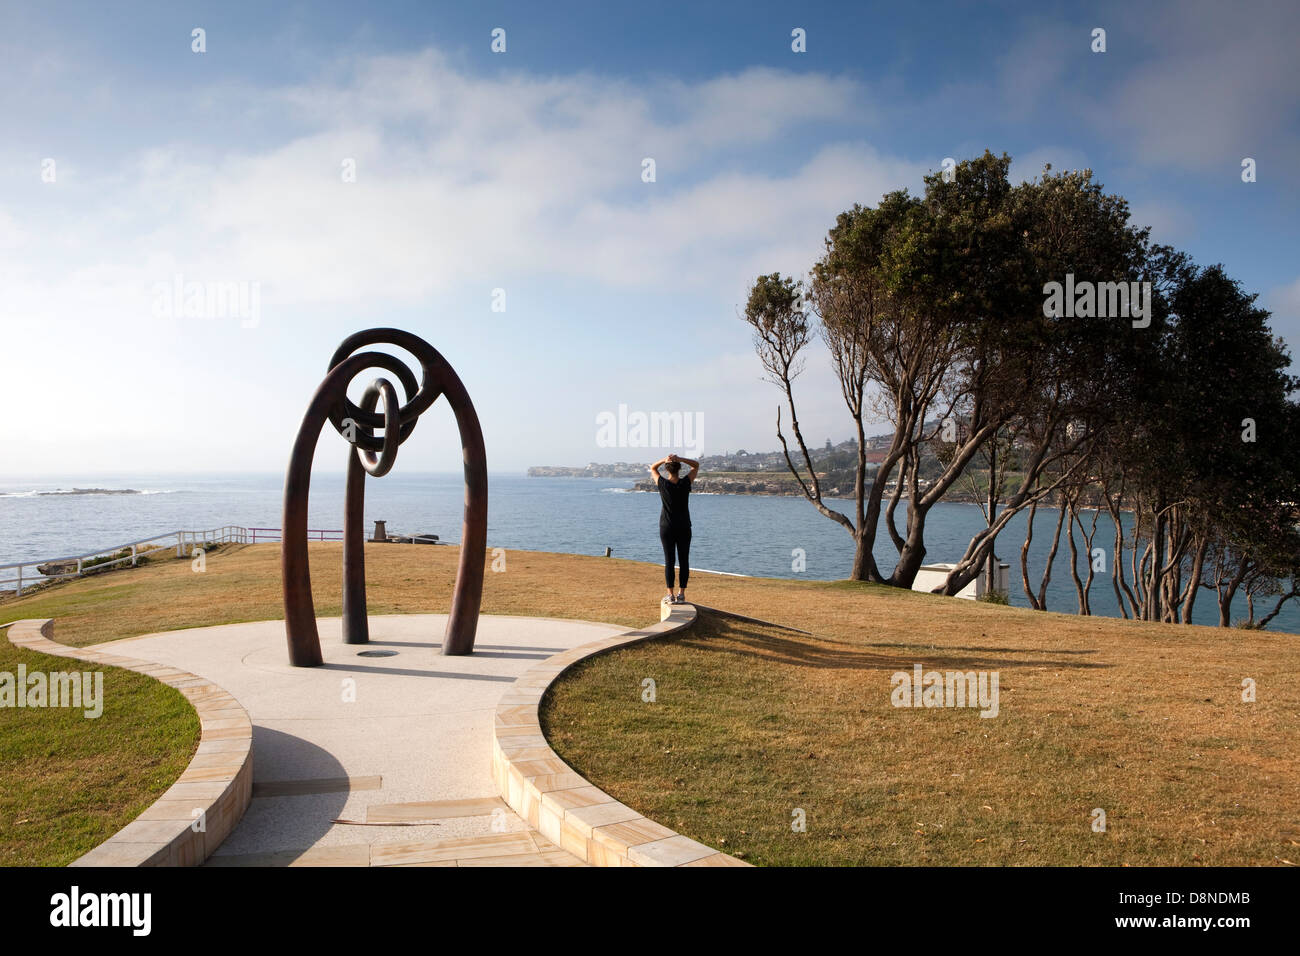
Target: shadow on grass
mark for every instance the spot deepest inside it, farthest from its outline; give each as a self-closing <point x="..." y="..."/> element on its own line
<point x="985" y="650"/>
<point x="717" y="633"/>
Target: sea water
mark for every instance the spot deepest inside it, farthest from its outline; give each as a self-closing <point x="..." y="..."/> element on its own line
<point x="739" y="534"/>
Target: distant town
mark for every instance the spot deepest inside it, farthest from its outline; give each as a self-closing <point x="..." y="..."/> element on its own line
<point x="729" y="461"/>
<point x="743" y="472"/>
<point x="746" y="472"/>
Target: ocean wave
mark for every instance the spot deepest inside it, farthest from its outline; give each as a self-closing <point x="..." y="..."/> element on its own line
<point x="82" y="492"/>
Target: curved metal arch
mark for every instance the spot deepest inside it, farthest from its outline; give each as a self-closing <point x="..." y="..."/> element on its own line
<point x="330" y="403"/>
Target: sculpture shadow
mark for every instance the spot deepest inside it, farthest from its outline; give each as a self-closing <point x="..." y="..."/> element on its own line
<point x="765" y="642"/>
<point x="283" y="827"/>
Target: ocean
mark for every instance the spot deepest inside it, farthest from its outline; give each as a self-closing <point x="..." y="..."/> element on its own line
<point x="738" y="534"/>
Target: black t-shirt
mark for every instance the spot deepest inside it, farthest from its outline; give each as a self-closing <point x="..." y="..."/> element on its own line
<point x="674" y="494"/>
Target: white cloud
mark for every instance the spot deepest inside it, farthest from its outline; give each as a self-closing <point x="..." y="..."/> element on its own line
<point x="462" y="179"/>
<point x="1212" y="83"/>
<point x="1171" y="222"/>
<point x="1033" y="66"/>
<point x="463" y="183"/>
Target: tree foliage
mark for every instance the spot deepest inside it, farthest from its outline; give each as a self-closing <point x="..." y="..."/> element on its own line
<point x="933" y="311"/>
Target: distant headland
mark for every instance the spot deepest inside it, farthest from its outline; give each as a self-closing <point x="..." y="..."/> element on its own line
<point x="92" y="491"/>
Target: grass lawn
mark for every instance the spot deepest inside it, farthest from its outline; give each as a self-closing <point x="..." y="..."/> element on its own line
<point x="752" y="723"/>
<point x="1144" y="721"/>
<point x="242" y="583"/>
<point x="68" y="782"/>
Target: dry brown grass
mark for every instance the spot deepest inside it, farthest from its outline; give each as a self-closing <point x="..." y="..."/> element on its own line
<point x="242" y="583"/>
<point x="753" y="722"/>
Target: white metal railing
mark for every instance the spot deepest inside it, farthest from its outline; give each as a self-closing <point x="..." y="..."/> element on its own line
<point x="185" y="542"/>
<point x="313" y="534"/>
<point x="329" y="534"/>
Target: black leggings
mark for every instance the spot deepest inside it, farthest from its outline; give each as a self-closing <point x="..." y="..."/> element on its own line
<point x="678" y="539"/>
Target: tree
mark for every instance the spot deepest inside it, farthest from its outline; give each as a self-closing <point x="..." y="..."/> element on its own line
<point x="1056" y="374"/>
<point x="933" y="312"/>
<point x="1212" y="498"/>
<point x="775" y="311"/>
<point x="931" y="309"/>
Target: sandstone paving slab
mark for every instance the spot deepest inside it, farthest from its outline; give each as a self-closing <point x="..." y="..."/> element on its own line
<point x="397" y="744"/>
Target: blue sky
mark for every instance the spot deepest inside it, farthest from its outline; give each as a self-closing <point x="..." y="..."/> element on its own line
<point x="521" y="171"/>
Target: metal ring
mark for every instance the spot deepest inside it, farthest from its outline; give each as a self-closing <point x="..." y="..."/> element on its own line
<point x="365" y="422"/>
<point x="378" y="467"/>
<point x="431" y="362"/>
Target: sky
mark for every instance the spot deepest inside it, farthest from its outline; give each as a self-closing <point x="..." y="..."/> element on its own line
<point x="341" y="166"/>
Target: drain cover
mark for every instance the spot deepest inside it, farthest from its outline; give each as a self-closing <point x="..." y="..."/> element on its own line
<point x="376" y="653"/>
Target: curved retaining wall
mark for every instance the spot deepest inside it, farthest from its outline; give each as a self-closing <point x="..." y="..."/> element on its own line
<point x="555" y="799"/>
<point x="216" y="786"/>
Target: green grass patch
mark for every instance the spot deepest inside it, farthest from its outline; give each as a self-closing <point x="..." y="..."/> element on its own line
<point x="68" y="782"/>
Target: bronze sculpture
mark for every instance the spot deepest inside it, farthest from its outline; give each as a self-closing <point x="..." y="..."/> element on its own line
<point x="357" y="424"/>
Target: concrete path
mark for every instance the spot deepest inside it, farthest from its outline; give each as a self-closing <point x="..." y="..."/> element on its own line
<point x="383" y="755"/>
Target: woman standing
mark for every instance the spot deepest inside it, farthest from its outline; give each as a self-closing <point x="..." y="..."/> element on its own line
<point x="675" y="520"/>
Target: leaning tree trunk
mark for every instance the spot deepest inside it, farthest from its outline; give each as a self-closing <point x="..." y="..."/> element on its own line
<point x="1194" y="585"/>
<point x="1153" y="608"/>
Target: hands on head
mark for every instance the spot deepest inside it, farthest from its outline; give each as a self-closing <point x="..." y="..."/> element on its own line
<point x="670" y="458"/>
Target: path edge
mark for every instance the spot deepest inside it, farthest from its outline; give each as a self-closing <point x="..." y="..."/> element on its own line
<point x="556" y="800"/>
<point x="216" y="787"/>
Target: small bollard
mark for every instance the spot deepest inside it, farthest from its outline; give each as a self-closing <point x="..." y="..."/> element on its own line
<point x="608" y="551"/>
<point x="380" y="533"/>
